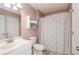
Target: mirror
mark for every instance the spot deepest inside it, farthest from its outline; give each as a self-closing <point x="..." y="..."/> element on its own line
<point x="9" y="26"/>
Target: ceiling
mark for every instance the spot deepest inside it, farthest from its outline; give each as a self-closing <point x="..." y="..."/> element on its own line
<point x="46" y="8"/>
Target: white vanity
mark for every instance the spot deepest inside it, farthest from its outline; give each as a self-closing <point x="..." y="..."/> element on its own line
<point x="17" y="47"/>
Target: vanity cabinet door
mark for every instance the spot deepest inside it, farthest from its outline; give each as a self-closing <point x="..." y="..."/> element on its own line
<point x="12" y="26"/>
<point x="2" y="25"/>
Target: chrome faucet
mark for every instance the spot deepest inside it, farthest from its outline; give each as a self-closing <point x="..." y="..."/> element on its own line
<point x="8" y="37"/>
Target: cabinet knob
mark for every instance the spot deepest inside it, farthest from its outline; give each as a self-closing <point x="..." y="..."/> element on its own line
<point x="72" y="33"/>
<point x="77" y="48"/>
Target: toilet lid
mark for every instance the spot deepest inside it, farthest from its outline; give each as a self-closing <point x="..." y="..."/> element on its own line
<point x="38" y="47"/>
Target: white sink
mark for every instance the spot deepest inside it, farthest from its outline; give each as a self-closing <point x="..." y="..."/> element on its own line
<point x="5" y="45"/>
<point x="2" y="43"/>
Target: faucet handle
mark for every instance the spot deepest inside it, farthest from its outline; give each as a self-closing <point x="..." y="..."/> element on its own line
<point x="3" y="33"/>
<point x="7" y="34"/>
<point x="77" y="48"/>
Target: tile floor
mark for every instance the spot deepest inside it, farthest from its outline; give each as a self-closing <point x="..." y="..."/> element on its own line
<point x="48" y="52"/>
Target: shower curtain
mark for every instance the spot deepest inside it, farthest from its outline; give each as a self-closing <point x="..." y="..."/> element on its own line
<point x="54" y="32"/>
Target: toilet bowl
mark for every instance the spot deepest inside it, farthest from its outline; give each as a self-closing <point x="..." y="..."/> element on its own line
<point x="37" y="48"/>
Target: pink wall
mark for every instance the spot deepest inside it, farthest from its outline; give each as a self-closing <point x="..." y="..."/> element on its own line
<point x="27" y="10"/>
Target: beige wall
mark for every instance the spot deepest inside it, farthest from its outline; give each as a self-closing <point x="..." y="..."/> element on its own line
<point x="27" y="10"/>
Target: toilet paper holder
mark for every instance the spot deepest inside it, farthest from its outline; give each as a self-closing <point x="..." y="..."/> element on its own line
<point x="77" y="48"/>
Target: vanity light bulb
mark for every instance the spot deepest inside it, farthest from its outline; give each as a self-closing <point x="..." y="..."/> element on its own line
<point x="14" y="8"/>
<point x="7" y="5"/>
<point x="19" y="5"/>
<point x="12" y="3"/>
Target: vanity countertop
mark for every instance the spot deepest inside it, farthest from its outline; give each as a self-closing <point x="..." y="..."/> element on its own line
<point x="13" y="45"/>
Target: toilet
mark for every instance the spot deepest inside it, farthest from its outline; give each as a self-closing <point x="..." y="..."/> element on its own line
<point x="37" y="48"/>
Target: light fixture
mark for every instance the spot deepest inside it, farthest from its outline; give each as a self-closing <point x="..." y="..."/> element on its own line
<point x="14" y="8"/>
<point x="19" y="5"/>
<point x="7" y="5"/>
<point x="34" y="21"/>
<point x="28" y="22"/>
<point x="12" y="3"/>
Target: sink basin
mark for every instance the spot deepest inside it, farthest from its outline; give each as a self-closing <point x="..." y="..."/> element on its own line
<point x="2" y="43"/>
<point x="10" y="45"/>
<point x="5" y="45"/>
